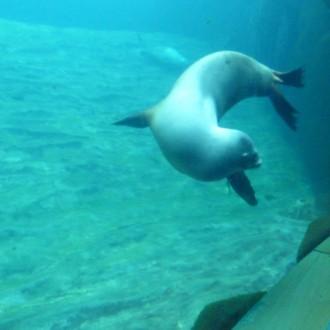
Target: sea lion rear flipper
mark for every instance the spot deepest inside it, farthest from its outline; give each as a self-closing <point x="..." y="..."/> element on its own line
<point x="286" y="111"/>
<point x="294" y="78"/>
<point x="242" y="186"/>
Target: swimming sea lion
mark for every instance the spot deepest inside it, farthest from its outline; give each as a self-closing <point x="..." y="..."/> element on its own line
<point x="185" y="123"/>
<point x="167" y="57"/>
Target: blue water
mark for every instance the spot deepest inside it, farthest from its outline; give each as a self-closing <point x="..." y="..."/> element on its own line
<point x="208" y="18"/>
<point x="97" y="230"/>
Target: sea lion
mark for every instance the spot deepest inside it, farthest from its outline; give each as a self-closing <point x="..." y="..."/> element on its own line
<point x="167" y="57"/>
<point x="185" y="123"/>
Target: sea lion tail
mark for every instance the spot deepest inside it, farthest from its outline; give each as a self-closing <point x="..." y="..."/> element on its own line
<point x="294" y="78"/>
<point x="138" y="120"/>
<point x="286" y="111"/>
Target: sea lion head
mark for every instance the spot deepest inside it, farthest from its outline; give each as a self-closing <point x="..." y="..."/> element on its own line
<point x="242" y="152"/>
<point x="231" y="151"/>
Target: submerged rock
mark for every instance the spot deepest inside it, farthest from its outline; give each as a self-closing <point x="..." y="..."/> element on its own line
<point x="224" y="314"/>
<point x="316" y="233"/>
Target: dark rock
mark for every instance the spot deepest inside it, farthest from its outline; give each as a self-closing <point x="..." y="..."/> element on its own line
<point x="316" y="233"/>
<point x="224" y="314"/>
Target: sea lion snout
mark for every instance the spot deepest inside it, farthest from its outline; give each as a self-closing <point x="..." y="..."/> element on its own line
<point x="246" y="153"/>
<point x="251" y="160"/>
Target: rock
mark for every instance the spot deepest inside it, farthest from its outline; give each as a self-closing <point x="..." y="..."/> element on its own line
<point x="316" y="233"/>
<point x="224" y="314"/>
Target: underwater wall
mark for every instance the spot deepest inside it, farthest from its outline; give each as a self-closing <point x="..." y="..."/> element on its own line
<point x="313" y="50"/>
<point x="285" y="35"/>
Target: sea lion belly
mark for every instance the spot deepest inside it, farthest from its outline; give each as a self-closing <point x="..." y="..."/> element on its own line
<point x="200" y="150"/>
<point x="181" y="144"/>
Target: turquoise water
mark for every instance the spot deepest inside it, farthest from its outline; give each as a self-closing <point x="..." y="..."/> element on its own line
<point x="97" y="229"/>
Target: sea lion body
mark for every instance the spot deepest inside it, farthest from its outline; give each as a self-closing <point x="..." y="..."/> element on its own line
<point x="185" y="123"/>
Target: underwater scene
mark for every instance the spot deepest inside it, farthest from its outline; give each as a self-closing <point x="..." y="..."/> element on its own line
<point x="98" y="229"/>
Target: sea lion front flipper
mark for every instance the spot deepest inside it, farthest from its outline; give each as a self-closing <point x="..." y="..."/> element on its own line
<point x="139" y="120"/>
<point x="285" y="110"/>
<point x="242" y="186"/>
